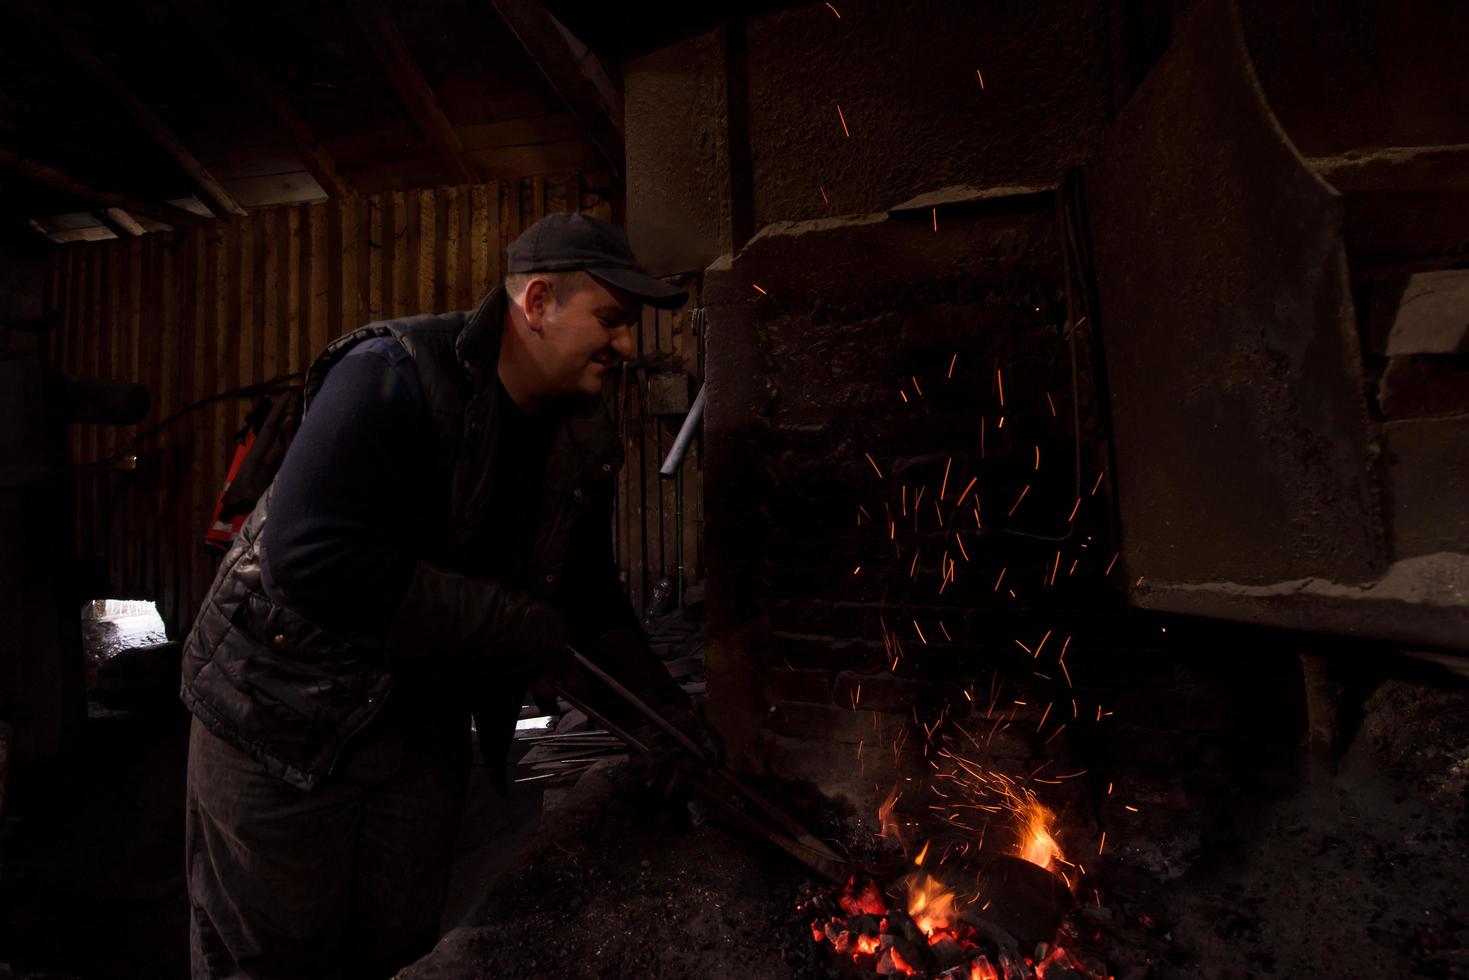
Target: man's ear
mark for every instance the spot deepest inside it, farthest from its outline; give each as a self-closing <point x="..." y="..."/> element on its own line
<point x="538" y="297"/>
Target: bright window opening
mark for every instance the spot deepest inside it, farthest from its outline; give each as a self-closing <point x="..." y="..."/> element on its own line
<point x="110" y="626"/>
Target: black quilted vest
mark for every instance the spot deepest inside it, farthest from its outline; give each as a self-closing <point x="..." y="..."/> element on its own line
<point x="292" y="695"/>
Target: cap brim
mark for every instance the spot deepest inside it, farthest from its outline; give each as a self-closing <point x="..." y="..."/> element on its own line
<point x="654" y="292"/>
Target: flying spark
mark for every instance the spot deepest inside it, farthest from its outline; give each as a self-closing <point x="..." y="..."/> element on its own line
<point x="1017" y="500"/>
<point x="834" y="10"/>
<point x="843" y="118"/>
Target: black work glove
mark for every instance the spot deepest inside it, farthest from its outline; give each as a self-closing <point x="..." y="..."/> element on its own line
<point x="666" y="768"/>
<point x="691" y="723"/>
<point x="540" y="639"/>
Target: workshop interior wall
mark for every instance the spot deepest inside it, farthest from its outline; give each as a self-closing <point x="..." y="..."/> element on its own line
<point x="198" y="313"/>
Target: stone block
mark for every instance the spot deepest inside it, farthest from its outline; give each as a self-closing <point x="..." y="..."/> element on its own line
<point x="833" y="723"/>
<point x="1419" y="386"/>
<point x="677" y="160"/>
<point x="884" y="692"/>
<point x="1425" y="466"/>
<point x="835" y="769"/>
<point x="814" y="686"/>
<point x="1433" y="315"/>
<point x="824" y="652"/>
<point x="920" y="127"/>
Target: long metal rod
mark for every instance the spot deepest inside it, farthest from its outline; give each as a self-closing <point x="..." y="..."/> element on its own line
<point x="802" y="835"/>
<point x="821" y="860"/>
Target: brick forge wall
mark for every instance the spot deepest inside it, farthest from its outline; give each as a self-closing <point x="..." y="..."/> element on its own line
<point x="838" y="653"/>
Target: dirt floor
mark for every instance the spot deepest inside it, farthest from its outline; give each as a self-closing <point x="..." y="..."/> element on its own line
<point x="91" y="874"/>
<point x="616" y="885"/>
<point x="1364" y="873"/>
<point x="1300" y="873"/>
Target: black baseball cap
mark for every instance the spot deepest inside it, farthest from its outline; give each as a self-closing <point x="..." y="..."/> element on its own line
<point x="562" y="242"/>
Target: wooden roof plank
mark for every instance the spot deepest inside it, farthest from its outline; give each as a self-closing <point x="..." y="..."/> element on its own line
<point x="51" y="177"/>
<point x="314" y="156"/>
<point x="82" y="54"/>
<point x="573" y="71"/>
<point x="413" y="89"/>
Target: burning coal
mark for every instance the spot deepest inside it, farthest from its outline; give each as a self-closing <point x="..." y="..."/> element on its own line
<point x="939" y="922"/>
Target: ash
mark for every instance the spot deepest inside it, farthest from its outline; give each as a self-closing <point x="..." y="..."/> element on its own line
<point x="612" y="884"/>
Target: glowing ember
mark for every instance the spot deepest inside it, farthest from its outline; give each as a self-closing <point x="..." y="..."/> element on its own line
<point x="983" y="970"/>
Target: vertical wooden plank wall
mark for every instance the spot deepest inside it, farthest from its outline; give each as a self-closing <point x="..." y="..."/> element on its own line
<point x="646" y="522"/>
<point x="196" y="313"/>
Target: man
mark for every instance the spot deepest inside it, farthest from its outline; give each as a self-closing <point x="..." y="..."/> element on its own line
<point x="438" y="531"/>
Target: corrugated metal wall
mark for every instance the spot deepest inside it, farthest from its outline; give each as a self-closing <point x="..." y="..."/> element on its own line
<point x="193" y="314"/>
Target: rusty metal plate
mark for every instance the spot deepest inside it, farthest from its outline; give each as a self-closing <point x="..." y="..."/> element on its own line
<point x="1241" y="436"/>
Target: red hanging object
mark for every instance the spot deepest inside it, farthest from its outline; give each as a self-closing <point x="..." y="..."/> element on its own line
<point x="221" y="533"/>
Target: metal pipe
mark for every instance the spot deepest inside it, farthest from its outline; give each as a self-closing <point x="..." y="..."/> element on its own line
<point x="685" y="438"/>
<point x="678" y="539"/>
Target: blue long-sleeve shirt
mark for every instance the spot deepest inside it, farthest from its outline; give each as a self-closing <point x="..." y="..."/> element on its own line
<point x="348" y="507"/>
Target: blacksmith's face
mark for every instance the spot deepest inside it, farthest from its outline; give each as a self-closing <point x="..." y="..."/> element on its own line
<point x="582" y="338"/>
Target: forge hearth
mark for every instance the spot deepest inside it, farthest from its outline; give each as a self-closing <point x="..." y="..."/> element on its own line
<point x="931" y="923"/>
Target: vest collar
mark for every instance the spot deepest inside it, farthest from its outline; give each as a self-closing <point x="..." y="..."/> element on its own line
<point x="477" y="348"/>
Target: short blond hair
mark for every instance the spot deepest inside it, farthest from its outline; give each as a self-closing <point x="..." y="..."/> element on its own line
<point x="564" y="285"/>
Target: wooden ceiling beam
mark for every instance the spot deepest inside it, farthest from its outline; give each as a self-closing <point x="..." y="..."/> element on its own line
<point x="120" y="223"/>
<point x="49" y="176"/>
<point x="574" y="72"/>
<point x="257" y="86"/>
<point x="80" y="52"/>
<point x="413" y="89"/>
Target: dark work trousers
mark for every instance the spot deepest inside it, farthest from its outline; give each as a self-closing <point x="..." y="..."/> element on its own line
<point x="345" y="880"/>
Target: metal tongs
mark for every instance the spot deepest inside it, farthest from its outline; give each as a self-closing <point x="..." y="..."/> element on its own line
<point x="718" y="785"/>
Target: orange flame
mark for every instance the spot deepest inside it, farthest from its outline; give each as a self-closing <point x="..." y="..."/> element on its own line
<point x="1036" y="843"/>
<point x="868" y="944"/>
<point x="930" y="904"/>
<point x="885" y="815"/>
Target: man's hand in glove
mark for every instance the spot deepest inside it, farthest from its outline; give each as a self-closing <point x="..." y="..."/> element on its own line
<point x="541" y="639"/>
<point x="662" y="771"/>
